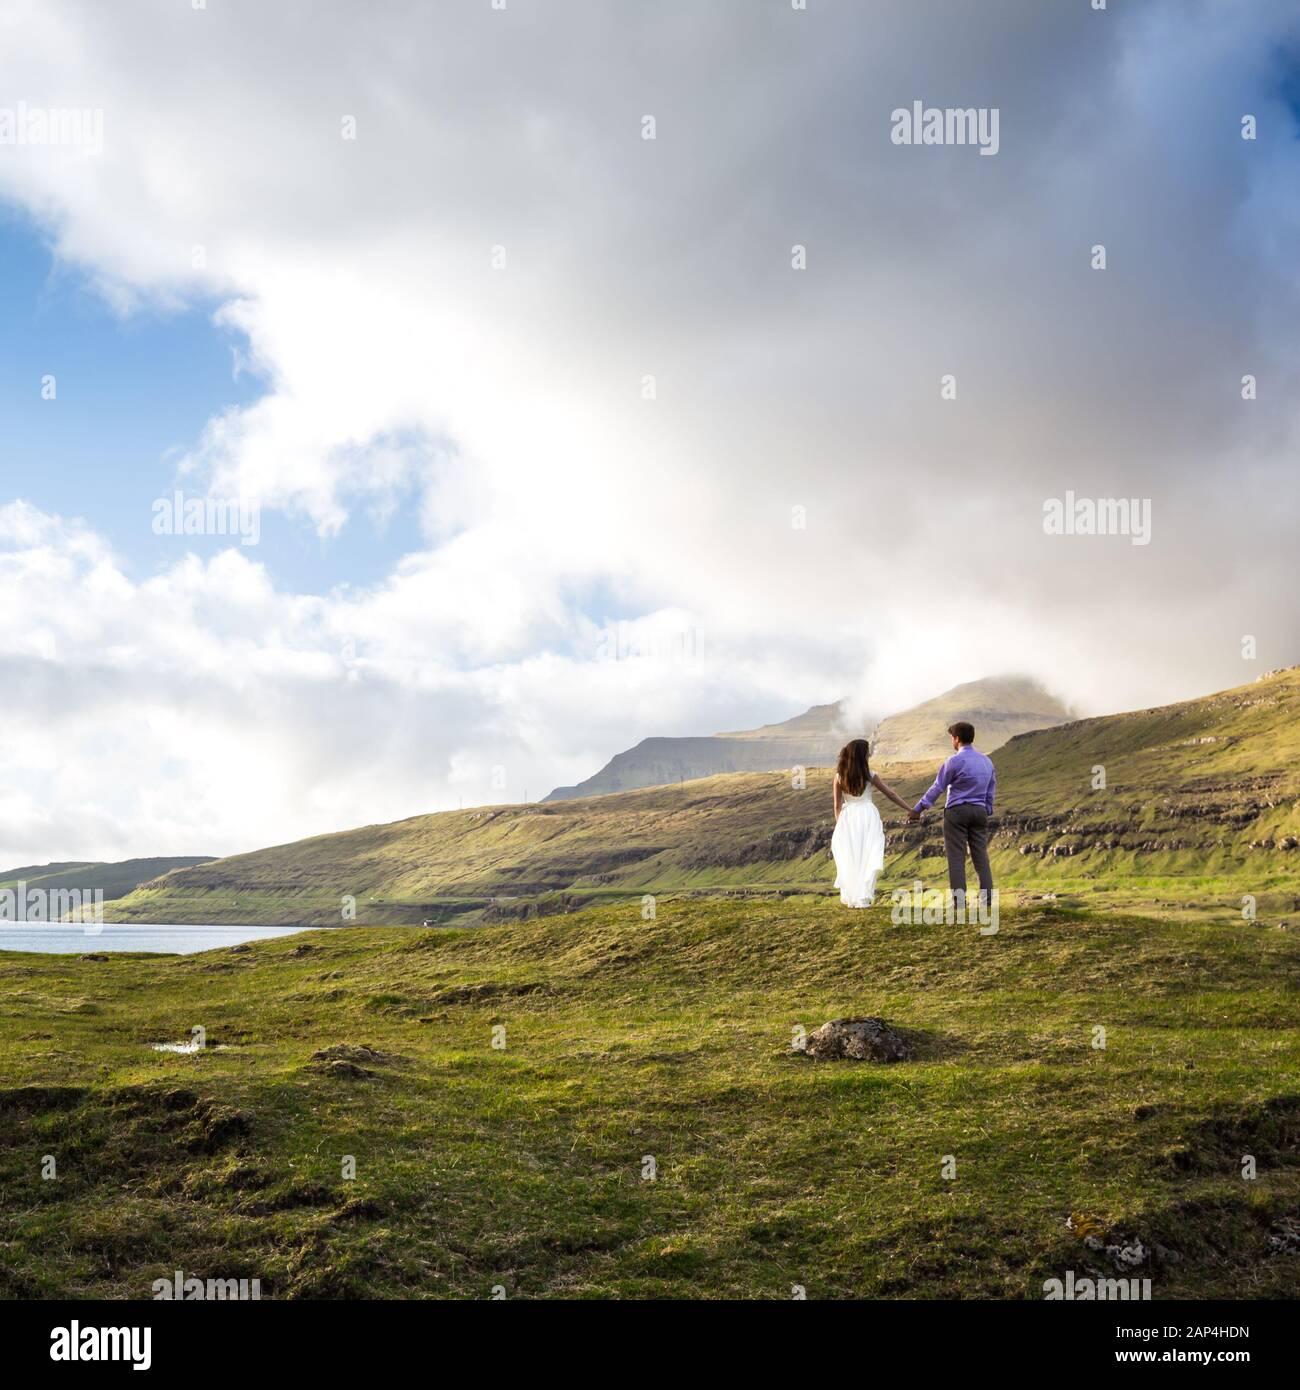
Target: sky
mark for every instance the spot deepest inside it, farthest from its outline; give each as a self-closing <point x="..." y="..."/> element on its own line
<point x="557" y="436"/>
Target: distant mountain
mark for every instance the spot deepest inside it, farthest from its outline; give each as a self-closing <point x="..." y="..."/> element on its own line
<point x="1203" y="794"/>
<point x="810" y="739"/>
<point x="818" y="723"/>
<point x="1000" y="708"/>
<point x="114" y="879"/>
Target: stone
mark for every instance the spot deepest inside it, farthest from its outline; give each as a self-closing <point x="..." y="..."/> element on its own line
<point x="860" y="1039"/>
<point x="356" y="1054"/>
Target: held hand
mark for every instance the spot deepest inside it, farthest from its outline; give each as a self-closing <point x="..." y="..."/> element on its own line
<point x="913" y="815"/>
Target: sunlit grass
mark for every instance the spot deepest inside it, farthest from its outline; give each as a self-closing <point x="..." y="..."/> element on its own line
<point x="626" y="1040"/>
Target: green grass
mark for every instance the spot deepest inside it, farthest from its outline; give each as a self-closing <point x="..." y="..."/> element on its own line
<point x="522" y="1166"/>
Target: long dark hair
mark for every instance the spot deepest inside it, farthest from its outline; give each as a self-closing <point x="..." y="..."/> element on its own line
<point x="854" y="766"/>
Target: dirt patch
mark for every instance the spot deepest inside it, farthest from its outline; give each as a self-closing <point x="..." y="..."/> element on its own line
<point x="193" y="1124"/>
<point x="293" y="1198"/>
<point x="347" y="1071"/>
<point x="360" y="1209"/>
<point x="153" y="1098"/>
<point x="1269" y="1133"/>
<point x="30" y="1099"/>
<point x="481" y="993"/>
<point x="1222" y="1242"/>
<point x="215" y="1127"/>
<point x="361" y="1053"/>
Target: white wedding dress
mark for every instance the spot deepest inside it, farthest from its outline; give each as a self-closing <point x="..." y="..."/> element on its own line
<point x="858" y="846"/>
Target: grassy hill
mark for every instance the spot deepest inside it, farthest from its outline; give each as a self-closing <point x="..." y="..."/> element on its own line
<point x="1000" y="708"/>
<point x="626" y="1040"/>
<point x="114" y="879"/>
<point x="1198" y="810"/>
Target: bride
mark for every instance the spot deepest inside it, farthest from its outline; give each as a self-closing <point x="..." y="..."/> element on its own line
<point x="858" y="843"/>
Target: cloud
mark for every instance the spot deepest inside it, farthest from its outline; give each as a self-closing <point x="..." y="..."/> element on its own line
<point x="459" y="311"/>
<point x="202" y="711"/>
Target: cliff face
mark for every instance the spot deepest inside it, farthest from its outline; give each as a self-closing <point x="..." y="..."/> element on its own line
<point x="811" y="739"/>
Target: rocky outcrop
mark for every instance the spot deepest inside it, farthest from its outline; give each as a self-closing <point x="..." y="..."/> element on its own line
<point x="780" y="846"/>
<point x="860" y="1039"/>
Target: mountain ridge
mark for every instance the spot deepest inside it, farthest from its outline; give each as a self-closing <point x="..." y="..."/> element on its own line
<point x="999" y="706"/>
<point x="114" y="878"/>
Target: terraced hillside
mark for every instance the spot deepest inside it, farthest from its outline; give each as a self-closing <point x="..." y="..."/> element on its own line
<point x="1197" y="812"/>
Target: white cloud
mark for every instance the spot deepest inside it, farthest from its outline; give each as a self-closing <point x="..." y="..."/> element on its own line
<point x="506" y="405"/>
<point x="202" y="711"/>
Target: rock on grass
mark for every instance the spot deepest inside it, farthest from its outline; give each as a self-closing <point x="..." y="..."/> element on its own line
<point x="860" y="1039"/>
<point x="359" y="1054"/>
<point x="354" y="1061"/>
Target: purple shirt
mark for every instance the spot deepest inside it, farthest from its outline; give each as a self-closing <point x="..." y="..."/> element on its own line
<point x="969" y="778"/>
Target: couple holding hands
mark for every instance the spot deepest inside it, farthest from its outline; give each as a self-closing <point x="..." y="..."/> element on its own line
<point x="858" y="843"/>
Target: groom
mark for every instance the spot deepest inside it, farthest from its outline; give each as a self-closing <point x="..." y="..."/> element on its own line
<point x="970" y="780"/>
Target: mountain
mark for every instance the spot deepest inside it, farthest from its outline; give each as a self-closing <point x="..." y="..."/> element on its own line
<point x="1198" y="808"/>
<point x="809" y="739"/>
<point x="999" y="707"/>
<point x="114" y="879"/>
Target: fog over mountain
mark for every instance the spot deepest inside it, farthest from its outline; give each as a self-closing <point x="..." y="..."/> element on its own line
<point x="1000" y="708"/>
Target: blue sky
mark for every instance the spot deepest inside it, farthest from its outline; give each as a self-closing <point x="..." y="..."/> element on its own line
<point x="134" y="391"/>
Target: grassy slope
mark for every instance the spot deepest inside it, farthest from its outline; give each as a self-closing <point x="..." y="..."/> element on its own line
<point x="115" y="880"/>
<point x="1173" y="826"/>
<point x="669" y="1038"/>
<point x="1200" y="800"/>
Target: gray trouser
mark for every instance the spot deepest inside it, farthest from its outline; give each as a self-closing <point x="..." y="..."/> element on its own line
<point x="967" y="827"/>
